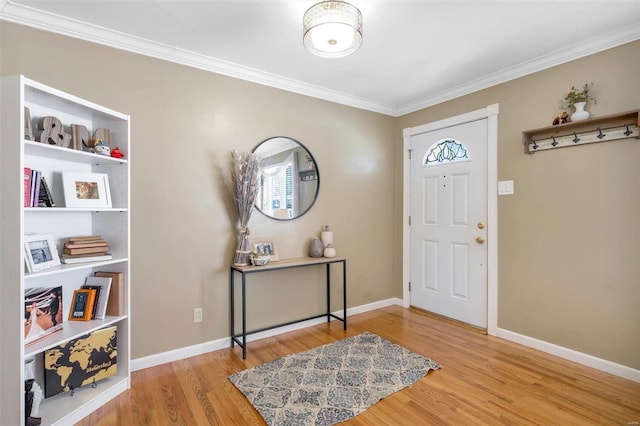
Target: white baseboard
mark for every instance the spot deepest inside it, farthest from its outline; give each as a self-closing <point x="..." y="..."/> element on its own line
<point x="225" y="342"/>
<point x="571" y="355"/>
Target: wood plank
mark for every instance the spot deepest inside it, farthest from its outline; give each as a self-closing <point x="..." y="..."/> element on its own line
<point x="483" y="380"/>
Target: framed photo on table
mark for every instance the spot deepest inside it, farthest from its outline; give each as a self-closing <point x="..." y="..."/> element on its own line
<point x="265" y="246"/>
<point x="40" y="252"/>
<point x="86" y="189"/>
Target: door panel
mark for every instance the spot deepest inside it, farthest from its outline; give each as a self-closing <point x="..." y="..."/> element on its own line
<point x="431" y="206"/>
<point x="430" y="263"/>
<point x="460" y="200"/>
<point x="460" y="271"/>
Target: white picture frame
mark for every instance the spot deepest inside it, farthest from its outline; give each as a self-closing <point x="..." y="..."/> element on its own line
<point x="40" y="252"/>
<point x="86" y="190"/>
<point x="265" y="245"/>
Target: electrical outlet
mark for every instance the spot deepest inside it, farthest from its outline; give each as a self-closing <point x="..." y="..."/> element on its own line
<point x="197" y="315"/>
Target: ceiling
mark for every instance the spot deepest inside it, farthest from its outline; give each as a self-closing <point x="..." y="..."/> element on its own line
<point x="415" y="53"/>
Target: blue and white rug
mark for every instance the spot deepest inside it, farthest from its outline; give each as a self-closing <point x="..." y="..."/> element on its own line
<point x="331" y="383"/>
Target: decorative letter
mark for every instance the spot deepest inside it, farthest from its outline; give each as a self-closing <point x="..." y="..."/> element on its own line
<point x="80" y="137"/>
<point x="52" y="132"/>
<point x="28" y="132"/>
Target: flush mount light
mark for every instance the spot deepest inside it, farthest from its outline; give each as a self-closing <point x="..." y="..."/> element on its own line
<point x="332" y="29"/>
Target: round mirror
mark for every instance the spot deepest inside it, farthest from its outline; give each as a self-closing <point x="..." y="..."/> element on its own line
<point x="288" y="181"/>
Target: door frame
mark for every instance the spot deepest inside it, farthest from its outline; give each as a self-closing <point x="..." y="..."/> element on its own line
<point x="491" y="114"/>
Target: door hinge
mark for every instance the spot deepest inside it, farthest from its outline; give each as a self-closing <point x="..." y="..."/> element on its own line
<point x="409" y="285"/>
<point x="409" y="151"/>
<point x="409" y="220"/>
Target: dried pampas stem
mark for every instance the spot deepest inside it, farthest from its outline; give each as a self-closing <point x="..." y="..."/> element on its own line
<point x="244" y="174"/>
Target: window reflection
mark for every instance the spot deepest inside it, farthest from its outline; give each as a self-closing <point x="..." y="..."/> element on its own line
<point x="276" y="193"/>
<point x="288" y="180"/>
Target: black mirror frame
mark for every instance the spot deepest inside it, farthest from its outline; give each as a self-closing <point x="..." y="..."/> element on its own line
<point x="315" y="197"/>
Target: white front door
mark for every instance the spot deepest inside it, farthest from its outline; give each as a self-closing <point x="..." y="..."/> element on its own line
<point x="448" y="232"/>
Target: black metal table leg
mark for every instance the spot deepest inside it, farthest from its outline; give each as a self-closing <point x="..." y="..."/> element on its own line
<point x="344" y="293"/>
<point x="328" y="292"/>
<point x="244" y="317"/>
<point x="233" y="312"/>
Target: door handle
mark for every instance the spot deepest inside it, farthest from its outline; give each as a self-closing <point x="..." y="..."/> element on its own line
<point x="480" y="240"/>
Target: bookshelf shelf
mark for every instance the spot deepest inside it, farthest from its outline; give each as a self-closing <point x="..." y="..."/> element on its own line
<point x="62" y="269"/>
<point x="71" y="330"/>
<point x="72" y="209"/>
<point x="59" y="153"/>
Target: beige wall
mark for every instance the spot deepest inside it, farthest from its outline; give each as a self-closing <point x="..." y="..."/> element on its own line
<point x="569" y="237"/>
<point x="184" y="122"/>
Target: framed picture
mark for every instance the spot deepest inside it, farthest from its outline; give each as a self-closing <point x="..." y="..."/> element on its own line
<point x="82" y="304"/>
<point x="40" y="252"/>
<point x="42" y="312"/>
<point x="265" y="246"/>
<point x="86" y="189"/>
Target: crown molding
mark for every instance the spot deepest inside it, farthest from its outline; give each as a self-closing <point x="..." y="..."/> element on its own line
<point x="558" y="57"/>
<point x="32" y="17"/>
<point x="45" y="21"/>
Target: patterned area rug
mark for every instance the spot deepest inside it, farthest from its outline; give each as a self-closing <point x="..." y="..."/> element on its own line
<point x="331" y="383"/>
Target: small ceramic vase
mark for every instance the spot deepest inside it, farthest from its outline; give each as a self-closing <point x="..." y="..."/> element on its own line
<point x="580" y="113"/>
<point x="326" y="236"/>
<point x="329" y="251"/>
<point x="315" y="248"/>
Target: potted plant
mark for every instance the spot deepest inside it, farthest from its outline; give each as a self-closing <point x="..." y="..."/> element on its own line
<point x="578" y="98"/>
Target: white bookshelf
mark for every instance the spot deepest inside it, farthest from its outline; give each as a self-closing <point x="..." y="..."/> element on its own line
<point x="113" y="224"/>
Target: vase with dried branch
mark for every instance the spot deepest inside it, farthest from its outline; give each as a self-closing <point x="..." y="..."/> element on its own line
<point x="244" y="174"/>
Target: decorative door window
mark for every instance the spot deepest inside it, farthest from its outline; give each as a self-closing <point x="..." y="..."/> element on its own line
<point x="446" y="150"/>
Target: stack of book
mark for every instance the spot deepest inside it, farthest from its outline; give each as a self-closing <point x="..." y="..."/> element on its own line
<point x="85" y="249"/>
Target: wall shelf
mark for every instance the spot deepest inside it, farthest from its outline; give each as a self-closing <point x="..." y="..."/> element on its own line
<point x="600" y="129"/>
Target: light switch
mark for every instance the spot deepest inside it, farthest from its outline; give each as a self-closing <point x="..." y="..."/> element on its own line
<point x="505" y="187"/>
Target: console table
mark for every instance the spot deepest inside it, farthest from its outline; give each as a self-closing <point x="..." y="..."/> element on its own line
<point x="241" y="338"/>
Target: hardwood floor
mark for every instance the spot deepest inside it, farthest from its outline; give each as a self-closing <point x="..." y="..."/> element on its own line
<point x="483" y="380"/>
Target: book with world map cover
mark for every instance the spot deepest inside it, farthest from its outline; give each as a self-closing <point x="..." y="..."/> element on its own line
<point x="81" y="361"/>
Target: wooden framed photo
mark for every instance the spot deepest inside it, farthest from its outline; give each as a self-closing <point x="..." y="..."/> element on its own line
<point x="86" y="189"/>
<point x="265" y="246"/>
<point x="40" y="252"/>
<point x="82" y="304"/>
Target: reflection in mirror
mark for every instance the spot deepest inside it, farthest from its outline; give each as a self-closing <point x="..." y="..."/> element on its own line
<point x="288" y="181"/>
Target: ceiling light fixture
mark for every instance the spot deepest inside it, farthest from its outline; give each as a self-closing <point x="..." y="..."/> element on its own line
<point x="332" y="29"/>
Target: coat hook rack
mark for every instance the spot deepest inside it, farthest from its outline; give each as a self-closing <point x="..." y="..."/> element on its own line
<point x="600" y="129"/>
